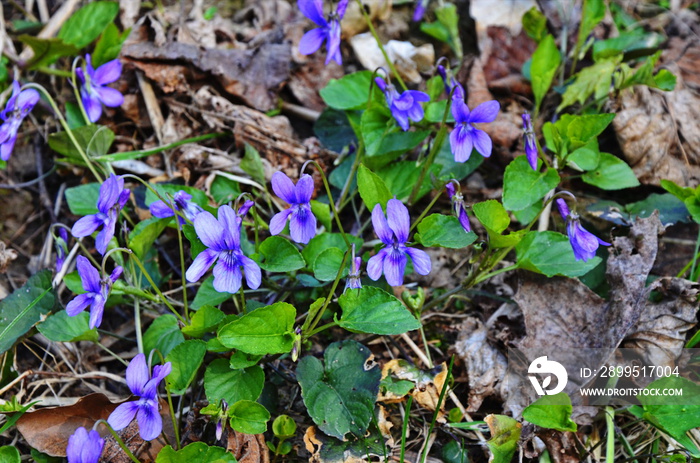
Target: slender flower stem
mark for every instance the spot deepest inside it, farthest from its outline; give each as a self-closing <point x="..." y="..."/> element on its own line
<point x="309" y="330"/>
<point x="161" y="296"/>
<point x="174" y="418"/>
<point x="117" y="357"/>
<point x="182" y="268"/>
<point x="426" y="210"/>
<point x="137" y="325"/>
<point x="404" y="428"/>
<point x="63" y="122"/>
<point x="610" y="443"/>
<point x="440" y="401"/>
<point x="355" y="165"/>
<point x="486" y="276"/>
<point x="330" y="199"/>
<point x="434" y="150"/>
<point x="692" y="275"/>
<point x="119" y="441"/>
<point x="381" y="46"/>
<point x="130" y="155"/>
<point x="54" y="72"/>
<point x="76" y="90"/>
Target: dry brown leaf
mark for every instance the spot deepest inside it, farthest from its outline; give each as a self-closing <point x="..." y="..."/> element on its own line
<point x="561" y="445"/>
<point x="658" y="132"/>
<point x="563" y="314"/>
<point x="428" y="384"/>
<point x="660" y="334"/>
<point x="485" y="365"/>
<point x="254" y="75"/>
<point x="48" y="429"/>
<point x="247" y="448"/>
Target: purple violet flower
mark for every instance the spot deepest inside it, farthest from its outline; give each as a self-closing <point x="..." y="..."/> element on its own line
<point x="302" y="222"/>
<point x="583" y="242"/>
<point x="61" y="245"/>
<point x="328" y="30"/>
<point x="465" y="136"/>
<point x="16" y="109"/>
<point x="96" y="291"/>
<point x="140" y="382"/>
<point x="93" y="87"/>
<point x="112" y="198"/>
<point x="530" y="141"/>
<point x="182" y="201"/>
<point x="404" y="106"/>
<point x="84" y="447"/>
<point x="418" y="13"/>
<point x="222" y="238"/>
<point x="393" y="231"/>
<point x="458" y="206"/>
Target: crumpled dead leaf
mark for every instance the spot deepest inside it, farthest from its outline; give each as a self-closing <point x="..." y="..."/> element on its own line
<point x="427" y="384"/>
<point x="485" y="365"/>
<point x="6" y="256"/>
<point x="658" y="133"/>
<point x="273" y="137"/>
<point x="247" y="448"/>
<point x="660" y="334"/>
<point x="48" y="429"/>
<point x="563" y="314"/>
<point x="410" y="61"/>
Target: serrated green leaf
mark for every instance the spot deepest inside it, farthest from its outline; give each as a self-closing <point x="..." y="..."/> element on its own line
<point x="207" y="295"/>
<point x="266" y="330"/>
<point x="221" y="382"/>
<point x="95" y="140"/>
<point x="86" y="24"/>
<point x="372" y="188"/>
<point x="324" y="241"/>
<point x="545" y="62"/>
<point x="109" y="45"/>
<point x="204" y="320"/>
<point x="328" y="263"/>
<point x="505" y="434"/>
<point x="9" y="454"/>
<point x="196" y="451"/>
<point x="248" y="417"/>
<point x="60" y="327"/>
<point x="675" y="415"/>
<point x="349" y="92"/>
<point x="340" y="392"/>
<point x="145" y="233"/>
<point x="594" y="80"/>
<point x="535" y="24"/>
<point x="550" y="254"/>
<point x="186" y="359"/>
<point x="492" y="215"/>
<point x="280" y="255"/>
<point x="373" y="310"/>
<point x="163" y="334"/>
<point x="444" y="231"/>
<point x="46" y="51"/>
<point x="551" y="412"/>
<point x="82" y="199"/>
<point x="384" y="140"/>
<point x="252" y="164"/>
<point x="400" y="178"/>
<point x="592" y="14"/>
<point x="22" y="309"/>
<point x="612" y="173"/>
<point x="523" y="186"/>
